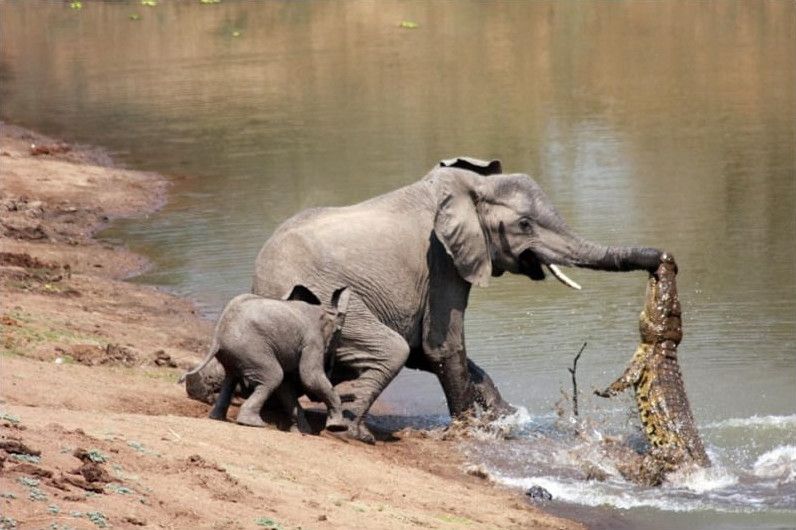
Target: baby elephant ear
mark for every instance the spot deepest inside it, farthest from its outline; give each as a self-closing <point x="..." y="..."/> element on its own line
<point x="340" y="300"/>
<point x="303" y="294"/>
<point x="482" y="167"/>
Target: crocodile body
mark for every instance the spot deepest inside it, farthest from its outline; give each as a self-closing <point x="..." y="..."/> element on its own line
<point x="655" y="376"/>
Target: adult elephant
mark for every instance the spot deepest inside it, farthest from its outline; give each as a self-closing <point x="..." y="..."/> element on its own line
<point x="410" y="257"/>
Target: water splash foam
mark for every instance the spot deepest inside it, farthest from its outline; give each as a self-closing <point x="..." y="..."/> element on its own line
<point x="772" y="421"/>
<point x="612" y="493"/>
<point x="778" y="464"/>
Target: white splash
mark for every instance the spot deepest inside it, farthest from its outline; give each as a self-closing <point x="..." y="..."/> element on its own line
<point x="773" y="421"/>
<point x="701" y="480"/>
<point x="609" y="493"/>
<point x="778" y="464"/>
<point x="505" y="426"/>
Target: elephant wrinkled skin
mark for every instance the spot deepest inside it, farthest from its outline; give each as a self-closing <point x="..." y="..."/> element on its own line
<point x="410" y="257"/>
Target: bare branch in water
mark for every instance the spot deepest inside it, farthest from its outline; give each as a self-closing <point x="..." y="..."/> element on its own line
<point x="575" y="381"/>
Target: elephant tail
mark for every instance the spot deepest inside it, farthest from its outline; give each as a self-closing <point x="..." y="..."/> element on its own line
<point x="214" y="347"/>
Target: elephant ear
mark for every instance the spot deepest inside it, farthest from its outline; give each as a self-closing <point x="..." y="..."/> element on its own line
<point x="302" y="294"/>
<point x="340" y="300"/>
<point x="482" y="167"/>
<point x="459" y="230"/>
<point x="340" y="305"/>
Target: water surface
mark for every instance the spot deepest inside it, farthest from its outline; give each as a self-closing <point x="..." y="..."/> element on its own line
<point x="669" y="125"/>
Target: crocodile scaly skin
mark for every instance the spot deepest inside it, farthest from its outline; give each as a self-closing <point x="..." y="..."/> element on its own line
<point x="654" y="373"/>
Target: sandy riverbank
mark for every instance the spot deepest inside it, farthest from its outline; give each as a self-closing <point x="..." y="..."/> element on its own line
<point x="89" y="362"/>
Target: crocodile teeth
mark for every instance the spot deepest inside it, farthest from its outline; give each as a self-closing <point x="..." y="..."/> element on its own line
<point x="563" y="278"/>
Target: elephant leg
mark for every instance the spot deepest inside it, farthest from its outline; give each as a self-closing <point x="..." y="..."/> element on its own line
<point x="377" y="353"/>
<point x="313" y="377"/>
<point x="466" y="384"/>
<point x="486" y="393"/>
<point x="298" y="420"/>
<point x="454" y="376"/>
<point x="267" y="376"/>
<point x="221" y="406"/>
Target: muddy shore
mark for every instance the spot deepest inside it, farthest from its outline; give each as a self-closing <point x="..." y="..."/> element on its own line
<point x="94" y="432"/>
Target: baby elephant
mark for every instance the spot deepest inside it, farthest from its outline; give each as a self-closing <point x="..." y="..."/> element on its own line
<point x="261" y="340"/>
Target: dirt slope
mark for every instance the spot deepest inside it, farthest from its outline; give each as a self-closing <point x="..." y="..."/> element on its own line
<point x="94" y="431"/>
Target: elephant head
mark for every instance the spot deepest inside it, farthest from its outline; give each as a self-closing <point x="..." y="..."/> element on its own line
<point x="505" y="222"/>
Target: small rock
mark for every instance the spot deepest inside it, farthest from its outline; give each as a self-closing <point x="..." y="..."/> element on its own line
<point x="135" y="521"/>
<point x="538" y="493"/>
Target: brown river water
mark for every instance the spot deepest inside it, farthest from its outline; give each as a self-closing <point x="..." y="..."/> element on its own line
<point x="664" y="124"/>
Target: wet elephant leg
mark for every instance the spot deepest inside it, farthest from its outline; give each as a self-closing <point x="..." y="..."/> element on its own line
<point x="462" y="395"/>
<point x="454" y="377"/>
<point x="485" y="392"/>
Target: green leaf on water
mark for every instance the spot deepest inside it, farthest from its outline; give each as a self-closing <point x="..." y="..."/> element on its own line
<point x="134" y="16"/>
<point x="236" y="33"/>
<point x="209" y="1"/>
<point x="408" y="24"/>
<point x="76" y="5"/>
<point x="149" y="3"/>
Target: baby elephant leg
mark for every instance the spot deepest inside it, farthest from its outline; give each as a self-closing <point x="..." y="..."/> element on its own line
<point x="221" y="405"/>
<point x="313" y="377"/>
<point x="287" y="395"/>
<point x="266" y="377"/>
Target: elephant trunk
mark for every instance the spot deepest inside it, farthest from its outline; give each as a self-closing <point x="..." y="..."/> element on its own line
<point x="590" y="255"/>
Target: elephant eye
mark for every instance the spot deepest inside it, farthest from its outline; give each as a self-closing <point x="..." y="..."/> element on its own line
<point x="525" y="224"/>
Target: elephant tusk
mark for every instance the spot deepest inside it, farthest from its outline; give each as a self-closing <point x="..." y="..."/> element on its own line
<point x="563" y="278"/>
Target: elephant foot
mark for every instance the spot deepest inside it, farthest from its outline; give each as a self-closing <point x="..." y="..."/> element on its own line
<point x="351" y="430"/>
<point x="336" y="424"/>
<point x="361" y="433"/>
<point x="217" y="416"/>
<point x="250" y="419"/>
<point x="302" y="425"/>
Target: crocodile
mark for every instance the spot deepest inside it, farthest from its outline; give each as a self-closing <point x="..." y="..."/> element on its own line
<point x="655" y="376"/>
